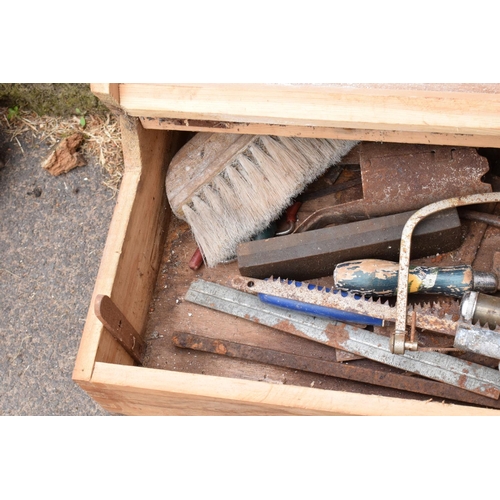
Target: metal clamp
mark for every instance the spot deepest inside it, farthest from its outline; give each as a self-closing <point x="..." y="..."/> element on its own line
<point x="398" y="343"/>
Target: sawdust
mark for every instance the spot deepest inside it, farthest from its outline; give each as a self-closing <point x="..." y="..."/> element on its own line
<point x="102" y="137"/>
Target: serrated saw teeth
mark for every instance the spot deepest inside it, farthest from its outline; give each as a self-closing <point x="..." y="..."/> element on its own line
<point x="426" y="315"/>
<point x="479" y="325"/>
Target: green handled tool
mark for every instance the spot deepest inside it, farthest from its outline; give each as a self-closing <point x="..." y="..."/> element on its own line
<point x="380" y="277"/>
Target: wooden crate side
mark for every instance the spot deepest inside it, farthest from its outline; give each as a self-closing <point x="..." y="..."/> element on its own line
<point x="486" y="141"/>
<point x="148" y="152"/>
<point x="132" y="254"/>
<point x="443" y="111"/>
<point x="144" y="391"/>
<point x="93" y="332"/>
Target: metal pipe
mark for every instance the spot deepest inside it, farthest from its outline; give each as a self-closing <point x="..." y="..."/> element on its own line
<point x="490" y="219"/>
<point x="478" y="307"/>
<point x="398" y="338"/>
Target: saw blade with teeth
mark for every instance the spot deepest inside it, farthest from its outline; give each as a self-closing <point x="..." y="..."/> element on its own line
<point x="428" y="316"/>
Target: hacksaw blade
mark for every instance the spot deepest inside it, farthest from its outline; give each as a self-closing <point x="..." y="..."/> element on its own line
<point x="430" y="316"/>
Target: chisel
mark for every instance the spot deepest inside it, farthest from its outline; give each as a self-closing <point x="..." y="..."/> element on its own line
<point x="380" y="277"/>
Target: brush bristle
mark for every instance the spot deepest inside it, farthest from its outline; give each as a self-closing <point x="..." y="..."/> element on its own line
<point x="255" y="189"/>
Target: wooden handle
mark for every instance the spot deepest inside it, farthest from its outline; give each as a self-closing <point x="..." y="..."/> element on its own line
<point x="291" y="212"/>
<point x="196" y="260"/>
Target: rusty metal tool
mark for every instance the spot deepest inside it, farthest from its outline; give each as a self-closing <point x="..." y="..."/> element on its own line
<point x="398" y="338"/>
<point x="291" y="218"/>
<point x="316" y="253"/>
<point x="436" y="366"/>
<point x="478" y="307"/>
<point x="370" y="376"/>
<point x="478" y="339"/>
<point x="401" y="177"/>
<point x="430" y="316"/>
<point x="117" y="324"/>
<point x="479" y="326"/>
<point x="474" y="215"/>
<point x="380" y="277"/>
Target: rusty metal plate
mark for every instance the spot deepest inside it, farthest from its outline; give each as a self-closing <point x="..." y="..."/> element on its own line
<point x="420" y="174"/>
<point x="401" y="177"/>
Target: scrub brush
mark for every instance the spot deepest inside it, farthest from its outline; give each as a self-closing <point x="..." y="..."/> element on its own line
<point x="229" y="187"/>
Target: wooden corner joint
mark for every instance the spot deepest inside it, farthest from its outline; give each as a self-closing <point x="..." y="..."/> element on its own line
<point x="108" y="94"/>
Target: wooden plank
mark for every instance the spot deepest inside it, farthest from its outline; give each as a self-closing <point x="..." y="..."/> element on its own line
<point x="133" y="248"/>
<point x="322" y="132"/>
<point x="143" y="391"/>
<point x="149" y="154"/>
<point x="94" y="334"/>
<point x="413" y="110"/>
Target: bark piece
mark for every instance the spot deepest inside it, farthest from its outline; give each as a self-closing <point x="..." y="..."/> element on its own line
<point x="65" y="156"/>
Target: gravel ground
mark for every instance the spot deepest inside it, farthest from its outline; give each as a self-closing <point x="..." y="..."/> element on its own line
<point x="52" y="233"/>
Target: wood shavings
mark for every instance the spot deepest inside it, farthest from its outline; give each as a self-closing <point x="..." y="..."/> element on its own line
<point x="102" y="137"/>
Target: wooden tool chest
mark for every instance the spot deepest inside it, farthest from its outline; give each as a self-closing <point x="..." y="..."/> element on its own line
<point x="144" y="265"/>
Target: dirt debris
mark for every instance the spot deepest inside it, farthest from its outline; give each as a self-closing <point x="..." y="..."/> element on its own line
<point x="102" y="137"/>
<point x="65" y="156"/>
